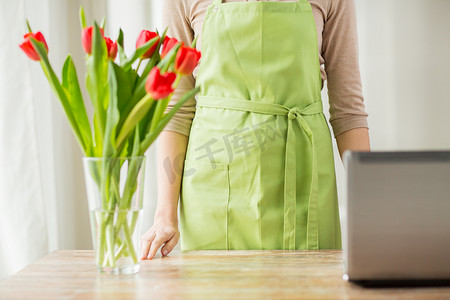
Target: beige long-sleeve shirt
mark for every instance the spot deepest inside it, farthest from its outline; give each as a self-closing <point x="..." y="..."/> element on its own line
<point x="338" y="54"/>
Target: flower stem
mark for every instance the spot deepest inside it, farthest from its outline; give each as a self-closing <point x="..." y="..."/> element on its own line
<point x="139" y="64"/>
<point x="100" y="238"/>
<point x="129" y="242"/>
<point x="120" y="251"/>
<point x="110" y="242"/>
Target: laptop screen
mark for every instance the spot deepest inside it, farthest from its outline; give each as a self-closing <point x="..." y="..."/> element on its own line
<point x="396" y="219"/>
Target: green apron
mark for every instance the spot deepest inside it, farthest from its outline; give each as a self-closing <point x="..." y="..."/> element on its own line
<point x="259" y="169"/>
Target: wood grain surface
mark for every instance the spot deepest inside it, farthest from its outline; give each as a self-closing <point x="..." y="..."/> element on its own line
<point x="72" y="274"/>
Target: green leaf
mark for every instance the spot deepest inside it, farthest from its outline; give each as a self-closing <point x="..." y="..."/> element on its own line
<point x="125" y="149"/>
<point x="145" y="123"/>
<point x="137" y="114"/>
<point x="137" y="142"/>
<point x="148" y="67"/>
<point x="194" y="42"/>
<point x="169" y="59"/>
<point x="103" y="23"/>
<point x="98" y="147"/>
<point x="122" y="56"/>
<point x="97" y="66"/>
<point x="125" y="82"/>
<point x="59" y="91"/>
<point x="139" y="90"/>
<point x="29" y="27"/>
<point x="73" y="92"/>
<point x="109" y="144"/>
<point x="120" y="38"/>
<point x="139" y="52"/>
<point x="152" y="135"/>
<point x="159" y="111"/>
<point x="163" y="36"/>
<point x="82" y="18"/>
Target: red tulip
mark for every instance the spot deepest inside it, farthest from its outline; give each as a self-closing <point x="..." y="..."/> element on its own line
<point x="143" y="38"/>
<point x="111" y="47"/>
<point x="86" y="38"/>
<point x="168" y="44"/>
<point x="28" y="48"/>
<point x="159" y="86"/>
<point x="186" y="60"/>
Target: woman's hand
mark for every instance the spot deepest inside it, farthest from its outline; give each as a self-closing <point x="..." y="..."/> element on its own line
<point x="163" y="231"/>
<point x="171" y="149"/>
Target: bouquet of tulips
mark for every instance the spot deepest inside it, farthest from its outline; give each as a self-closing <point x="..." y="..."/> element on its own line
<point x="129" y="113"/>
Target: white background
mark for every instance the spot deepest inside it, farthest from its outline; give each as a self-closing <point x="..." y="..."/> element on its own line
<point x="405" y="63"/>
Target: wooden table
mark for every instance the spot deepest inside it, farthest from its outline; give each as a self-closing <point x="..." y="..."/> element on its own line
<point x="202" y="275"/>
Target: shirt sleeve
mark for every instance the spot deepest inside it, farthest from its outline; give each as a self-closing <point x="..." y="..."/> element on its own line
<point x="340" y="53"/>
<point x="175" y="19"/>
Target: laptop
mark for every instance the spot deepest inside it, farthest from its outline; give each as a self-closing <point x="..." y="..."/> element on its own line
<point x="396" y="218"/>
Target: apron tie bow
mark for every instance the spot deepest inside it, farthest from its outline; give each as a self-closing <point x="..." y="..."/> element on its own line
<point x="293" y="113"/>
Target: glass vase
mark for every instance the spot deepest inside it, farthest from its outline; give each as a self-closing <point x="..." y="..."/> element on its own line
<point x="114" y="191"/>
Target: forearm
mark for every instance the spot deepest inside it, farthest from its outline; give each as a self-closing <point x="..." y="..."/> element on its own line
<point x="356" y="139"/>
<point x="171" y="154"/>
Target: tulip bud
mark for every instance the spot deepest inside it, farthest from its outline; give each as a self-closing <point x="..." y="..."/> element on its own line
<point x="143" y="38"/>
<point x="28" y="48"/>
<point x="111" y="48"/>
<point x="186" y="60"/>
<point x="168" y="44"/>
<point x="86" y="38"/>
<point x="159" y="86"/>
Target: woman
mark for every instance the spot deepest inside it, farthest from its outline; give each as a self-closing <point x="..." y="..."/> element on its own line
<point x="259" y="170"/>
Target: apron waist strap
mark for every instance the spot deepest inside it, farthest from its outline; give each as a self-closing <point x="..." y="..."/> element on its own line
<point x="258" y="107"/>
<point x="290" y="180"/>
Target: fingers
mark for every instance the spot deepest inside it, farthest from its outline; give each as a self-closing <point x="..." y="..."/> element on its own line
<point x="157" y="236"/>
<point x="157" y="242"/>
<point x="168" y="247"/>
<point x="146" y="241"/>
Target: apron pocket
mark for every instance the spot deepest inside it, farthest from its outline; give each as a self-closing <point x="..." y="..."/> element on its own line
<point x="204" y="205"/>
